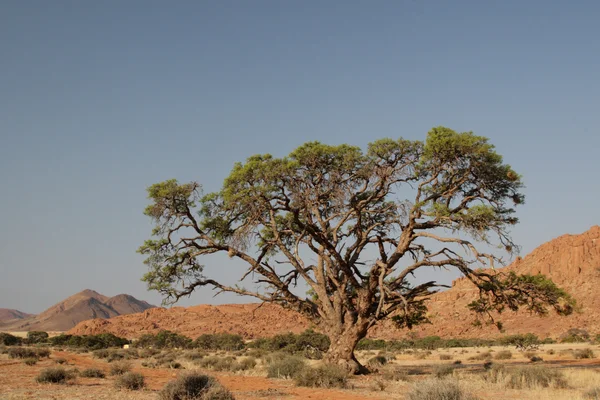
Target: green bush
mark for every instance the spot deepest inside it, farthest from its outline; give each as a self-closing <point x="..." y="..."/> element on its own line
<point x="309" y="343"/>
<point x="43" y="352"/>
<point x="92" y="373"/>
<point x="324" y="376"/>
<point x="527" y="341"/>
<point x="7" y="339"/>
<point x="120" y="367"/>
<point x="22" y="352"/>
<point x="439" y="389"/>
<point x="164" y="340"/>
<point x="92" y="342"/>
<point x="34" y="337"/>
<point x="583" y="353"/>
<point x="130" y="381"/>
<point x="288" y="367"/>
<point x="219" y="341"/>
<point x="192" y="386"/>
<point x="54" y="375"/>
<point x="30" y="361"/>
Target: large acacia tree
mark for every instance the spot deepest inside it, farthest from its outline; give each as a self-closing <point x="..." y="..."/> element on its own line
<point x="354" y="226"/>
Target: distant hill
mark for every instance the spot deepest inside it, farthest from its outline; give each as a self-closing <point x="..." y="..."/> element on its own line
<point x="6" y="314"/>
<point x="572" y="261"/>
<point x="82" y="306"/>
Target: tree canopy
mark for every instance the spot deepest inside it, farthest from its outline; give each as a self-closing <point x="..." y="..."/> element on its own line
<point x="353" y="225"/>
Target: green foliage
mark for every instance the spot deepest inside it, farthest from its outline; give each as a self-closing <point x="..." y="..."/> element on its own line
<point x="34" y="337"/>
<point x="285" y="367"/>
<point x="527" y="341"/>
<point x="309" y="343"/>
<point x="219" y="341"/>
<point x="7" y="339"/>
<point x="54" y="375"/>
<point x="323" y="376"/>
<point x="164" y="340"/>
<point x="439" y="389"/>
<point x="92" y="373"/>
<point x="22" y="352"/>
<point x="130" y="381"/>
<point x="91" y="342"/>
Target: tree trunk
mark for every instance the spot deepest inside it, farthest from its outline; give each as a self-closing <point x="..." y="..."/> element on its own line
<point x="341" y="351"/>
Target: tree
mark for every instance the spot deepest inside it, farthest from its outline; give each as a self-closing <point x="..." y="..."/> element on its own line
<point x="354" y="226"/>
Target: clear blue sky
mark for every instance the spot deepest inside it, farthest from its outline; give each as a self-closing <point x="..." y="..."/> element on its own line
<point x="98" y="100"/>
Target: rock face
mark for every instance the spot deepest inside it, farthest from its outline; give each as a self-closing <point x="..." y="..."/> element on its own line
<point x="6" y="314"/>
<point x="571" y="261"/>
<point x="82" y="306"/>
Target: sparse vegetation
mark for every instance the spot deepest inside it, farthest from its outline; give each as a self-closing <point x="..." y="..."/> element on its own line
<point x="92" y="373"/>
<point x="446" y="357"/>
<point x="30" y="361"/>
<point x="285" y="367"/>
<point x="530" y="377"/>
<point x="503" y="355"/>
<point x="120" y="367"/>
<point x="54" y="375"/>
<point x="583" y="353"/>
<point x="439" y="389"/>
<point x="164" y="340"/>
<point x="575" y="335"/>
<point x="194" y="386"/>
<point x="592" y="394"/>
<point x="324" y="376"/>
<point x="441" y="371"/>
<point x="130" y="381"/>
<point x="60" y="361"/>
<point x="22" y="352"/>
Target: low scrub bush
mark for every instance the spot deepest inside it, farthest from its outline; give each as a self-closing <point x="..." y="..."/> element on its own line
<point x="530" y="377"/>
<point x="22" y="352"/>
<point x="395" y="374"/>
<point x="592" y="394"/>
<point x="92" y="373"/>
<point x="35" y="337"/>
<point x="441" y="371"/>
<point x="30" y="361"/>
<point x="481" y="356"/>
<point x="91" y="342"/>
<point x="503" y="355"/>
<point x="323" y="376"/>
<point x="130" y="381"/>
<point x="288" y="367"/>
<point x="120" y="367"/>
<point x="439" y="389"/>
<point x="535" y="359"/>
<point x="377" y="362"/>
<point x="60" y="361"/>
<point x="446" y="357"/>
<point x="583" y="353"/>
<point x="54" y="375"/>
<point x="164" y="340"/>
<point x="527" y="341"/>
<point x="194" y="386"/>
<point x="575" y="335"/>
<point x="309" y="344"/>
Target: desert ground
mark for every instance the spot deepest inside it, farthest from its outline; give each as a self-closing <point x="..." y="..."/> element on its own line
<point x="570" y="376"/>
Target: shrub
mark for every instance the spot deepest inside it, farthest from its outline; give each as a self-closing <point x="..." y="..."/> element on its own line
<point x="34" y="337"/>
<point x="575" y="335"/>
<point x="583" y="353"/>
<point x="93" y="373"/>
<point x="395" y="374"/>
<point x="536" y="359"/>
<point x="93" y="342"/>
<point x="439" y="389"/>
<point x="324" y="376"/>
<point x="194" y="355"/>
<point x="120" y="367"/>
<point x="164" y="340"/>
<point x="130" y="381"/>
<point x="441" y="371"/>
<point x="481" y="356"/>
<point x="43" y="352"/>
<point x="530" y="377"/>
<point x="377" y="362"/>
<point x="309" y="343"/>
<point x="592" y="394"/>
<point x="529" y="354"/>
<point x="101" y="354"/>
<point x="503" y="355"/>
<point x="288" y="367"/>
<point x="9" y="340"/>
<point x="446" y="357"/>
<point x="527" y="341"/>
<point x="60" y="361"/>
<point x="192" y="386"/>
<point x="245" y="364"/>
<point x="219" y="341"/>
<point x="22" y="352"/>
<point x="30" y="361"/>
<point x="53" y="375"/>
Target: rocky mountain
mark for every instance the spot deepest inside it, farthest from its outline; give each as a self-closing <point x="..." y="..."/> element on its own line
<point x="572" y="261"/>
<point x="82" y="306"/>
<point x="6" y="314"/>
